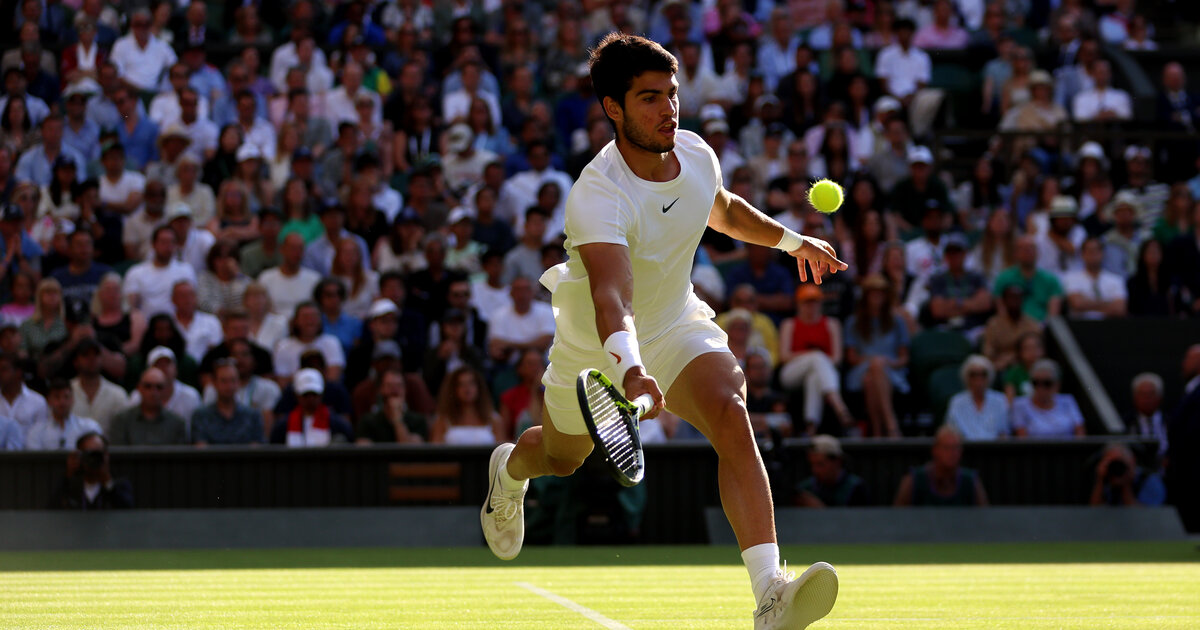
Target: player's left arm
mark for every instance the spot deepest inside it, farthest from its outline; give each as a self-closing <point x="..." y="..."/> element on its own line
<point x="735" y="216"/>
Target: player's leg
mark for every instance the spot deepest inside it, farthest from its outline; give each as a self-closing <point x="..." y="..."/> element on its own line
<point x="545" y="450"/>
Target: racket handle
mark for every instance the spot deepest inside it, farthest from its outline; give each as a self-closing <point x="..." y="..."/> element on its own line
<point x="644" y="404"/>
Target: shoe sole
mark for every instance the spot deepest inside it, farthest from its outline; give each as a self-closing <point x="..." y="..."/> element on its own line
<point x="493" y="468"/>
<point x="810" y="597"/>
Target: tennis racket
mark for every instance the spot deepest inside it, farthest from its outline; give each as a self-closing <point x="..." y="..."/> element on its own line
<point x="612" y="422"/>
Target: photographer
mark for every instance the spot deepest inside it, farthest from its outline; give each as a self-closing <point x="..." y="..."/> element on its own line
<point x="1120" y="481"/>
<point x="89" y="484"/>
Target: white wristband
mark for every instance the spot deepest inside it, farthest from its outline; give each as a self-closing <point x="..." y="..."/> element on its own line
<point x="790" y="241"/>
<point x="622" y="350"/>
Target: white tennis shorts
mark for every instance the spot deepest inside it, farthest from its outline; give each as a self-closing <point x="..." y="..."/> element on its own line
<point x="692" y="334"/>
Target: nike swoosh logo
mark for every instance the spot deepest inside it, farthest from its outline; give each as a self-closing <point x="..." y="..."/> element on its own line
<point x="489" y="510"/>
<point x="665" y="208"/>
<point x="765" y="608"/>
<point x="616" y="356"/>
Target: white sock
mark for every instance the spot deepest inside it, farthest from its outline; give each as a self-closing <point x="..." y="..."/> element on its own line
<point x="507" y="483"/>
<point x="762" y="562"/>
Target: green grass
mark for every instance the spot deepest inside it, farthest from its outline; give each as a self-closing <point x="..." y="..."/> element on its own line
<point x="1033" y="586"/>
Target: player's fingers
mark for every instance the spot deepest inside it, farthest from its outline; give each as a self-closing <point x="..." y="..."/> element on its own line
<point x="800" y="264"/>
<point x="816" y="273"/>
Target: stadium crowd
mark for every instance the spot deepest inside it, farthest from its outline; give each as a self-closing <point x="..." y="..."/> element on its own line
<point x="313" y="222"/>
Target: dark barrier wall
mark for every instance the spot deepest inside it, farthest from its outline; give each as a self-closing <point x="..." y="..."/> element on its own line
<point x="680" y="481"/>
<point x="1121" y="349"/>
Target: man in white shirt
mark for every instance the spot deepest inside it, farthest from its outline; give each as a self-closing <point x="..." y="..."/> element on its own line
<point x="339" y="102"/>
<point x="148" y="284"/>
<point x="288" y="56"/>
<point x="697" y="86"/>
<point x="139" y="226"/>
<point x="199" y="129"/>
<point x="60" y="428"/>
<point x="525" y="325"/>
<point x="1102" y="103"/>
<point x="140" y="56"/>
<point x="463" y="164"/>
<point x="181" y="399"/>
<point x="777" y="50"/>
<point x="1092" y="292"/>
<point x="491" y="295"/>
<point x="17" y="401"/>
<point x="457" y="104"/>
<point x="520" y="191"/>
<point x="255" y="129"/>
<point x="120" y="189"/>
<point x="902" y="68"/>
<point x="194" y="242"/>
<point x="289" y="284"/>
<point x="93" y="395"/>
<point x="200" y="330"/>
<point x="165" y="108"/>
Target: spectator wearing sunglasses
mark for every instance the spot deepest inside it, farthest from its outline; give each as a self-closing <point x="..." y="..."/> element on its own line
<point x="979" y="413"/>
<point x="1046" y="413"/>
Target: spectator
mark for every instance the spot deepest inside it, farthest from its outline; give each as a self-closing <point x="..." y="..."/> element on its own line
<point x="1040" y="112"/>
<point x="359" y="282"/>
<point x="1058" y="247"/>
<point x="922" y="191"/>
<point x="202" y="132"/>
<point x="311" y="423"/>
<point x="996" y="250"/>
<point x="141" y="57"/>
<point x="521" y="190"/>
<point x="959" y="299"/>
<point x="289" y="284"/>
<point x="136" y="133"/>
<point x="1150" y="288"/>
<point x="308" y="334"/>
<point x="149" y="423"/>
<point x="222" y="284"/>
<point x="178" y="398"/>
<point x="1003" y="329"/>
<point x="1092" y="292"/>
<point x="21" y="307"/>
<point x="319" y="254"/>
<point x="768" y="408"/>
<point x="830" y="485"/>
<point x="1146" y="418"/>
<point x="266" y="328"/>
<point x="810" y="351"/>
<point x="942" y="481"/>
<point x="525" y="259"/>
<point x="942" y="33"/>
<point x="10" y="435"/>
<point x="81" y="276"/>
<point x="60" y="428"/>
<point x="1046" y="412"/>
<point x="458" y="298"/>
<point x="36" y="162"/>
<point x="1122" y="242"/>
<point x="264" y="252"/>
<point x="47" y="325"/>
<point x="94" y="396"/>
<point x="89" y="484"/>
<point x="200" y="330"/>
<point x="924" y="255"/>
<point x="149" y="284"/>
<point x="745" y="297"/>
<point x="527" y="324"/>
<point x="390" y="419"/>
<point x="770" y="279"/>
<point x="254" y="390"/>
<point x="516" y="400"/>
<point x="464" y="411"/>
<point x="1120" y="481"/>
<point x="877" y="353"/>
<point x="165" y="108"/>
<point x="490" y="295"/>
<point x="18" y="250"/>
<point x="329" y="296"/>
<point x="226" y="420"/>
<point x="1102" y="103"/>
<point x="979" y="412"/>
<point x="1042" y="290"/>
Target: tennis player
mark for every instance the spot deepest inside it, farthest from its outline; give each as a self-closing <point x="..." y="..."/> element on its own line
<point x="633" y="222"/>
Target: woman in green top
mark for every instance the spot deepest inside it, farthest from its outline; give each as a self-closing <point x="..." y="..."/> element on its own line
<point x="1174" y="219"/>
<point x="48" y="323"/>
<point x="1016" y="377"/>
<point x="298" y="215"/>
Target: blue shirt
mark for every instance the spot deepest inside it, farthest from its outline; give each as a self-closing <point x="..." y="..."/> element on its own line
<point x="224" y="112"/>
<point x="347" y="329"/>
<point x="975" y="423"/>
<point x="775" y="279"/>
<point x="11" y="438"/>
<point x="210" y="427"/>
<point x="1151" y="491"/>
<point x="141" y="146"/>
<point x="79" y="288"/>
<point x="206" y="80"/>
<point x="34" y="167"/>
<point x="86" y="141"/>
<point x="1057" y="422"/>
<point x="318" y="256"/>
<point x="104" y="113"/>
<point x="879" y="344"/>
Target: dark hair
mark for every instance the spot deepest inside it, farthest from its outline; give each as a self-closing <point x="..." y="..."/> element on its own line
<point x="160" y="229"/>
<point x="619" y="59"/>
<point x="532" y="210"/>
<point x="489" y="255"/>
<point x="221" y="248"/>
<point x="89" y="435"/>
<point x="58" y="384"/>
<point x="10" y="358"/>
<point x="4" y="124"/>
<point x="863" y="320"/>
<point x="328" y="282"/>
<point x="389" y="276"/>
<point x="175" y="342"/>
<point x="293" y="330"/>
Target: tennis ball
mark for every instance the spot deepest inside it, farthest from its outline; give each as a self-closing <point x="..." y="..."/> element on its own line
<point x="825" y="196"/>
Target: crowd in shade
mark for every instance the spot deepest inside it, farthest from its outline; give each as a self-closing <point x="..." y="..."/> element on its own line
<point x="314" y="222"/>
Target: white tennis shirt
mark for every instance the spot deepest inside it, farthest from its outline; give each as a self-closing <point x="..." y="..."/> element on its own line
<point x="660" y="222"/>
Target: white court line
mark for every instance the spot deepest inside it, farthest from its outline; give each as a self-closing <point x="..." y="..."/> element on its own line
<point x="566" y="603"/>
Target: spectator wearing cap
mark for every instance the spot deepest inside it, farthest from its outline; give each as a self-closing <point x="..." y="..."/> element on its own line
<point x="1058" y="247"/>
<point x="942" y="481"/>
<point x="464" y="254"/>
<point x="920" y="192"/>
<point x="810" y="349"/>
<point x="80" y="132"/>
<point x="1102" y="103"/>
<point x="830" y="484"/>
<point x="463" y="164"/>
<point x="1040" y="112"/>
<point x="390" y="418"/>
<point x="178" y="397"/>
<point x="165" y="107"/>
<point x="148" y="284"/>
<point x="60" y="428"/>
<point x="194" y="242"/>
<point x="94" y="396"/>
<point x="958" y="298"/>
<point x="173" y="142"/>
<point x="17" y="402"/>
<point x="202" y="132"/>
<point x="81" y="276"/>
<point x="716" y="133"/>
<point x="311" y="423"/>
<point x="37" y="162"/>
<point x="1046" y="413"/>
<point x="226" y="420"/>
<point x="382" y="324"/>
<point x="253" y="390"/>
<point x="121" y="189"/>
<point x="1093" y="292"/>
<point x="1146" y="418"/>
<point x="1139" y="179"/>
<point x="82" y="59"/>
<point x="979" y="412"/>
<point x="186" y="188"/>
<point x="148" y="422"/>
<point x="458" y="297"/>
<point x="141" y="56"/>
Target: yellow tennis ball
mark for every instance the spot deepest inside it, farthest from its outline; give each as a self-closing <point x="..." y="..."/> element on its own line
<point x="825" y="196"/>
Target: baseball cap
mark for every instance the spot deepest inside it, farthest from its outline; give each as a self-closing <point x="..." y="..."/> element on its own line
<point x="716" y="125"/>
<point x="826" y="445"/>
<point x="920" y="155"/>
<point x="302" y="153"/>
<point x="712" y="111"/>
<point x="1063" y="206"/>
<point x="248" y="152"/>
<point x="381" y="307"/>
<point x="308" y="381"/>
<point x="1040" y="77"/>
<point x="1092" y="150"/>
<point x="458" y="138"/>
<point x="160" y="352"/>
<point x="954" y="240"/>
<point x="1126" y="198"/>
<point x="386" y="349"/>
<point x="460" y="213"/>
<point x="886" y="104"/>
<point x="86" y="87"/>
<point x="178" y="211"/>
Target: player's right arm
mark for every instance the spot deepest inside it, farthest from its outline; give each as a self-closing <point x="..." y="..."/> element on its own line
<point x="610" y="276"/>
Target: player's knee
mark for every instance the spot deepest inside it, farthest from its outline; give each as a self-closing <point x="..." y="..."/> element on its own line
<point x="563" y="467"/>
<point x="732" y="421"/>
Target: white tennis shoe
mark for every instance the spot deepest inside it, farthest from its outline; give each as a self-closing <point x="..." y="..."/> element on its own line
<point x="795" y="603"/>
<point x="503" y="513"/>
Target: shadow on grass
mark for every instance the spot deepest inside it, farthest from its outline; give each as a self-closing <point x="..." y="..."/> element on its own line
<point x="385" y="558"/>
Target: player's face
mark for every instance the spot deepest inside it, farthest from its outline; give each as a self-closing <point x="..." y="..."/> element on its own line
<point x="651" y="113"/>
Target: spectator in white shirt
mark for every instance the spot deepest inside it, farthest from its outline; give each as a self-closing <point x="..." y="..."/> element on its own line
<point x="193" y="242"/>
<point x="308" y="334"/>
<point x="141" y="57"/>
<point x="697" y="86"/>
<point x="200" y="330"/>
<point x="255" y="129"/>
<point x="289" y="284"/>
<point x="339" y="102"/>
<point x="1092" y="292"/>
<point x="289" y="56"/>
<point x="457" y="104"/>
<point x="17" y="401"/>
<point x="179" y="398"/>
<point x="94" y="396"/>
<point x="120" y="190"/>
<point x="777" y="51"/>
<point x="60" y="428"/>
<point x="165" y="108"/>
<point x="520" y="191"/>
<point x="902" y="68"/>
<point x="199" y="129"/>
<point x="1102" y="103"/>
<point x="148" y="284"/>
<point x="526" y="325"/>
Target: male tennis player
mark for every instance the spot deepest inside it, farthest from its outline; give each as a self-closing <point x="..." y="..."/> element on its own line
<point x="634" y="220"/>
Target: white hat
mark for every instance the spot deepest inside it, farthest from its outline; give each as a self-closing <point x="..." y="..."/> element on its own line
<point x="160" y="352"/>
<point x="1063" y="206"/>
<point x="458" y="137"/>
<point x="381" y="307"/>
<point x="85" y="86"/>
<point x="716" y="125"/>
<point x="886" y="104"/>
<point x="712" y="111"/>
<point x="458" y="214"/>
<point x="920" y="155"/>
<point x="1092" y="150"/>
<point x="248" y="152"/>
<point x="827" y="445"/>
<point x="308" y="381"/>
<point x="178" y="210"/>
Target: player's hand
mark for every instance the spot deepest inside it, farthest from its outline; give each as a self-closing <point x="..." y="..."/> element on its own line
<point x="820" y="257"/>
<point x="637" y="382"/>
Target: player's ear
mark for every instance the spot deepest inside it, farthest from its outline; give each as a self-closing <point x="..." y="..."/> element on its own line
<point x="614" y="110"/>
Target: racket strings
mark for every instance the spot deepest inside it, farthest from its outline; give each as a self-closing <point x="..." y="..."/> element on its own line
<point x="611" y="426"/>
